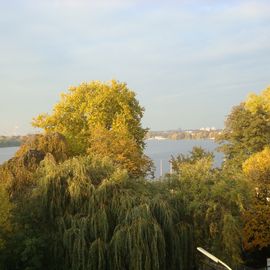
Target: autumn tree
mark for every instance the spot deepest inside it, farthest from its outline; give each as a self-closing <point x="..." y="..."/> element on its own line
<point x="245" y="141"/>
<point x="259" y="102"/>
<point x="17" y="173"/>
<point x="93" y="108"/>
<point x="53" y="143"/>
<point x="256" y="230"/>
<point x="17" y="210"/>
<point x="121" y="149"/>
<point x="245" y="133"/>
<point x="247" y="129"/>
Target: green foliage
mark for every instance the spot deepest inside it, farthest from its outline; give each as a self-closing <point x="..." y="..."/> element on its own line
<point x="18" y="172"/>
<point x="246" y="132"/>
<point x="245" y="142"/>
<point x="198" y="156"/>
<point x="60" y="210"/>
<point x="85" y="213"/>
<point x="100" y="219"/>
<point x="5" y="214"/>
<point x="17" y="179"/>
<point x="214" y="201"/>
<point x="215" y="215"/>
<point x="48" y="143"/>
<point x="27" y="244"/>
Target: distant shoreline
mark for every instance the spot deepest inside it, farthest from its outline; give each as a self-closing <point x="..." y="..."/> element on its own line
<point x="186" y="139"/>
<point x="11" y="141"/>
<point x="8" y="146"/>
<point x="196" y="134"/>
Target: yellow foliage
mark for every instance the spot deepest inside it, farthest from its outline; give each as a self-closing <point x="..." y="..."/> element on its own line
<point x="256" y="232"/>
<point x="256" y="219"/>
<point x="83" y="108"/>
<point x="104" y="119"/>
<point x="255" y="102"/>
<point x="120" y="148"/>
<point x="257" y="167"/>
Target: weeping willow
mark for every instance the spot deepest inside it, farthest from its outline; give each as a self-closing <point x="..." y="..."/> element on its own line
<point x="101" y="219"/>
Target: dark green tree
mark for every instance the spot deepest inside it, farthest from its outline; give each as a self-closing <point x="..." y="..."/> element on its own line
<point x="245" y="133"/>
<point x="99" y="218"/>
<point x="215" y="201"/>
<point x="24" y="246"/>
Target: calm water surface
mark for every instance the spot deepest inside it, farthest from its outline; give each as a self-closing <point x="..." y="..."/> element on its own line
<point x="6" y="153"/>
<point x="160" y="151"/>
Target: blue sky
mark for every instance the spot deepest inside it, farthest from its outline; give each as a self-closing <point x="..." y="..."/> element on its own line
<point x="188" y="61"/>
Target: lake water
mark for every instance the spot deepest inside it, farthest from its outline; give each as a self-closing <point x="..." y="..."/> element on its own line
<point x="160" y="151"/>
<point x="6" y="153"/>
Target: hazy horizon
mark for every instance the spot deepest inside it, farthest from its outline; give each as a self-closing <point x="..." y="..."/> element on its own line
<point x="188" y="61"/>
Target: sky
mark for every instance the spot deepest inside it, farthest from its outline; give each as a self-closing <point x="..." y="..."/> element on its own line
<point x="189" y="61"/>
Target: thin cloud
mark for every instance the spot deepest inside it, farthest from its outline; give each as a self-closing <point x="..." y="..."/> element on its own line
<point x="186" y="49"/>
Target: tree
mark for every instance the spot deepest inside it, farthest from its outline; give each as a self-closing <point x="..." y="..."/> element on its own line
<point x="257" y="169"/>
<point x="91" y="107"/>
<point x="17" y="173"/>
<point x="247" y="128"/>
<point x="22" y="244"/>
<point x="99" y="218"/>
<point x="110" y="105"/>
<point x="245" y="133"/>
<point x="5" y="214"/>
<point x="256" y="231"/>
<point x="215" y="201"/>
<point x="243" y="141"/>
<point x="256" y="103"/>
<point x="197" y="156"/>
<point x="50" y="142"/>
<point x="121" y="149"/>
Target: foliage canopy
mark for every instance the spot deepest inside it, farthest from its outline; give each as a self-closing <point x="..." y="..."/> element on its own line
<point x="245" y="142"/>
<point x="256" y="229"/>
<point x="215" y="201"/>
<point x="245" y="133"/>
<point x="92" y="114"/>
<point x="99" y="218"/>
<point x="73" y="197"/>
